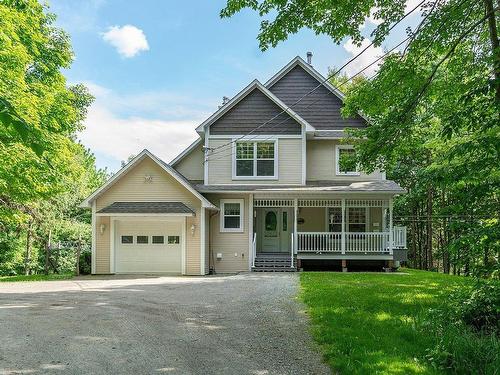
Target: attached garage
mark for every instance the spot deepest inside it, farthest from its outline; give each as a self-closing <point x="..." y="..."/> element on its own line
<point x="147" y="237"/>
<point x="148" y="245"/>
<point x="147" y="218"/>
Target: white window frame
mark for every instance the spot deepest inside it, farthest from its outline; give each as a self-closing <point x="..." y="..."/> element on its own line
<point x="255" y="176"/>
<point x="366" y="223"/>
<point x="337" y="161"/>
<point x="241" y="202"/>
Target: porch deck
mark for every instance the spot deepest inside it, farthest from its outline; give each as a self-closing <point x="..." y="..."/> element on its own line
<point x="325" y="228"/>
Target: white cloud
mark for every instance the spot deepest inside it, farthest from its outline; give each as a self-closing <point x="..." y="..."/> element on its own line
<point x="119" y="138"/>
<point x="365" y="59"/>
<point x="110" y="133"/>
<point x="128" y="40"/>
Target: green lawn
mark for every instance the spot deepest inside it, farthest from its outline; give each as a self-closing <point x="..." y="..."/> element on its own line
<point x="365" y="322"/>
<point x="54" y="276"/>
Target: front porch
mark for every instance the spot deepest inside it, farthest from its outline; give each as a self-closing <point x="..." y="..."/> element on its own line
<point x="296" y="229"/>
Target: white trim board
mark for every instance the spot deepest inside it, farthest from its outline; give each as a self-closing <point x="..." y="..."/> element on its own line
<point x="186" y="151"/>
<point x="241" y="229"/>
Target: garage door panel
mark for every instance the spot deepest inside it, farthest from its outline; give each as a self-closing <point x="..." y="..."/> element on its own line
<point x="139" y="257"/>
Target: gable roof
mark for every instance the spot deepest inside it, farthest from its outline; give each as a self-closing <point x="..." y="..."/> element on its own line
<point x="299" y="85"/>
<point x="167" y="168"/>
<point x="255" y="84"/>
<point x="309" y="69"/>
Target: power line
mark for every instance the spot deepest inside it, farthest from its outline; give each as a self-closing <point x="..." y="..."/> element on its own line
<point x="341" y="84"/>
<point x="327" y="78"/>
<point x="210" y="157"/>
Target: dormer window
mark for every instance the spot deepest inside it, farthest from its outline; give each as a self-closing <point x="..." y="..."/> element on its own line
<point x="255" y="160"/>
<point x="346" y="164"/>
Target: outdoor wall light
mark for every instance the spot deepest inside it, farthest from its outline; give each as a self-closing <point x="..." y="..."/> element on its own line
<point x="193" y="228"/>
<point x="102" y="228"/>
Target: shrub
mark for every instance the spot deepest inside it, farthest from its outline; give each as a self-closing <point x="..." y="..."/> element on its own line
<point x="467" y="330"/>
<point x="85" y="263"/>
<point x="478" y="307"/>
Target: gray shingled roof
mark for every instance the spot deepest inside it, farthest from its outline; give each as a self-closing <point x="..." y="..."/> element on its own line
<point x="146" y="208"/>
<point x="312" y="187"/>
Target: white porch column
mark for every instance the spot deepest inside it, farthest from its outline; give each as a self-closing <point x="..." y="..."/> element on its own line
<point x="295" y="229"/>
<point x="343" y="237"/>
<point x="391" y="232"/>
<point x="251" y="257"/>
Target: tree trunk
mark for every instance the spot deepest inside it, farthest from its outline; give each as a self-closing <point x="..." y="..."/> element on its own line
<point x="47" y="253"/>
<point x="495" y="45"/>
<point x="27" y="259"/>
<point x="413" y="237"/>
<point x="78" y="251"/>
<point x="429" y="228"/>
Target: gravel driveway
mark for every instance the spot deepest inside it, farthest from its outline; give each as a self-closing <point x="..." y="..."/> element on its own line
<point x="243" y="324"/>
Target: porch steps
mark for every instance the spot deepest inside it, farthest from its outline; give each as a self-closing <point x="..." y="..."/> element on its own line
<point x="269" y="263"/>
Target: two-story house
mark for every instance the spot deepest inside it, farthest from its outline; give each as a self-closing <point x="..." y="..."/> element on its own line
<point x="268" y="185"/>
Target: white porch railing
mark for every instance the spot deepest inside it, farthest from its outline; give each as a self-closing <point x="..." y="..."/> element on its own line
<point x="254" y="249"/>
<point x="367" y="242"/>
<point x="319" y="241"/>
<point x="399" y="237"/>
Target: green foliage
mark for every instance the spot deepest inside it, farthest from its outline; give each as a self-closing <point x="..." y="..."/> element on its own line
<point x="45" y="173"/>
<point x="335" y="19"/>
<point x="380" y="323"/>
<point x="85" y="262"/>
<point x="466" y="329"/>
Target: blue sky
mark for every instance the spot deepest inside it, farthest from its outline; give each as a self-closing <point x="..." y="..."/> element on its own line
<point x="159" y="68"/>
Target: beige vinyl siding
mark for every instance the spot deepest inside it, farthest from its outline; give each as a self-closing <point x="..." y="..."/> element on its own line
<point x="320" y="156"/>
<point x="191" y="166"/>
<point x="314" y="219"/>
<point x="289" y="164"/>
<point x="102" y="243"/>
<point x="132" y="187"/>
<point x="229" y="243"/>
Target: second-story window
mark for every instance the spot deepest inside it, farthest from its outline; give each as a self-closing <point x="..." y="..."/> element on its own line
<point x="346" y="164"/>
<point x="255" y="159"/>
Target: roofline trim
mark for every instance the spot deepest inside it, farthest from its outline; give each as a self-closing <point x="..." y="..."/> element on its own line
<point x="185" y="152"/>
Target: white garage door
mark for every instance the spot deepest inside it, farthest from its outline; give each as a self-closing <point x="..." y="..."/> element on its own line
<point x="148" y="246"/>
